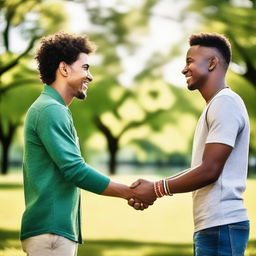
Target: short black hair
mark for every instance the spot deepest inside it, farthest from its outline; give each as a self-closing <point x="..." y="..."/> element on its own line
<point x="218" y="41"/>
<point x="57" y="48"/>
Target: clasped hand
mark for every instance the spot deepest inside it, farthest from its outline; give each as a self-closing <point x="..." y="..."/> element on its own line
<point x="144" y="194"/>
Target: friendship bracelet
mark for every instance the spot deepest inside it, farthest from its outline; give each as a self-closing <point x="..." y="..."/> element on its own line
<point x="155" y="189"/>
<point x="168" y="188"/>
<point x="161" y="188"/>
<point x="165" y="187"/>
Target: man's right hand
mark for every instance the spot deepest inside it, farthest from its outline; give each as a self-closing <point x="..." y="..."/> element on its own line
<point x="144" y="191"/>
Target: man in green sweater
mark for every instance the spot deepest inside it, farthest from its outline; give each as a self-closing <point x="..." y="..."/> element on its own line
<point x="53" y="168"/>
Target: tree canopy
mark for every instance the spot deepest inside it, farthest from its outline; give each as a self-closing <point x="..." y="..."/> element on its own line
<point x="150" y="115"/>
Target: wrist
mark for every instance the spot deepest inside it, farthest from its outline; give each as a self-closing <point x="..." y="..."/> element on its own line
<point x="126" y="192"/>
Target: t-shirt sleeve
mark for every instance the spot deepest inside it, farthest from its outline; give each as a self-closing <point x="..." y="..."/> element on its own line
<point x="224" y="120"/>
<point x="55" y="129"/>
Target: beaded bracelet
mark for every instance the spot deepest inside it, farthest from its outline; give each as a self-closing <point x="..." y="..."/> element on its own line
<point x="161" y="188"/>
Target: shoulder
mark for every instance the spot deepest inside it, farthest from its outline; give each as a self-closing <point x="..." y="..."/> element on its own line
<point x="227" y="108"/>
<point x="48" y="110"/>
<point x="54" y="112"/>
<point x="226" y="101"/>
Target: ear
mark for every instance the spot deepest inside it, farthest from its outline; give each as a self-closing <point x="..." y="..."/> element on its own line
<point x="213" y="61"/>
<point x="63" y="69"/>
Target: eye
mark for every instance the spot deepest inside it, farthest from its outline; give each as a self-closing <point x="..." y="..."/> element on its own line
<point x="189" y="61"/>
<point x="85" y="67"/>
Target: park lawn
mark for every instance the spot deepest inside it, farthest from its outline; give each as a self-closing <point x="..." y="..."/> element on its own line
<point x="111" y="228"/>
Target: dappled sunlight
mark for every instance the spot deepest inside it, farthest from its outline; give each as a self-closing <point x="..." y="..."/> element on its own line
<point x="116" y="92"/>
<point x="131" y="111"/>
<point x="155" y="95"/>
<point x="135" y="20"/>
<point x="170" y="139"/>
<point x="12" y="252"/>
<point x="111" y="121"/>
<point x="141" y="132"/>
<point x="186" y="125"/>
<point x="96" y="142"/>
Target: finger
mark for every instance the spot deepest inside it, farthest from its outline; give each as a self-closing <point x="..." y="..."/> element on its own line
<point x="143" y="206"/>
<point x="136" y="206"/>
<point x="131" y="201"/>
<point x="135" y="184"/>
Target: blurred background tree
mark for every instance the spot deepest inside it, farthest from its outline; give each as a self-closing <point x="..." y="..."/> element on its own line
<point x="142" y="111"/>
<point x="136" y="118"/>
<point x="19" y="84"/>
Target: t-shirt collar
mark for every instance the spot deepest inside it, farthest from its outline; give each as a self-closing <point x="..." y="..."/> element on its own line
<point x="50" y="91"/>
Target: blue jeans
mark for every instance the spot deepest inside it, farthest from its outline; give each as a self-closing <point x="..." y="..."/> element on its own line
<point x="226" y="240"/>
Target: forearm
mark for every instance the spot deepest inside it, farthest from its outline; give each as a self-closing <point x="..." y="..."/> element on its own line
<point x="191" y="180"/>
<point x="213" y="161"/>
<point x="118" y="190"/>
<point x="178" y="174"/>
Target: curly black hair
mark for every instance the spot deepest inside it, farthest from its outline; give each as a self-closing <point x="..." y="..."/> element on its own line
<point x="218" y="41"/>
<point x="57" y="48"/>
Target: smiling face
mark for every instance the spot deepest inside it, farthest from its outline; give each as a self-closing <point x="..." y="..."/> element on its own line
<point x="79" y="76"/>
<point x="196" y="70"/>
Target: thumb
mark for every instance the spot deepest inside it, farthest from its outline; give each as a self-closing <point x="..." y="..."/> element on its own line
<point x="135" y="184"/>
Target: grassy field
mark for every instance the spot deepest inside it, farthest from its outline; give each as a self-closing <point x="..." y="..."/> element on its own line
<point x="111" y="228"/>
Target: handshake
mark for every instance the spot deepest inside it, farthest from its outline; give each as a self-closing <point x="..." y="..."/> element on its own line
<point x="142" y="193"/>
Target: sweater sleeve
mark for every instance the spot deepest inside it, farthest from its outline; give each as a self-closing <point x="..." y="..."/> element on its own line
<point x="56" y="131"/>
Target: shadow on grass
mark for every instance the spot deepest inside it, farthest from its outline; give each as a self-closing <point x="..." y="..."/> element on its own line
<point x="11" y="186"/>
<point x="130" y="248"/>
<point x="9" y="238"/>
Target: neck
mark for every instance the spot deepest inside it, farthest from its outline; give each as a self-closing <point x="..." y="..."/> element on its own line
<point x="215" y="93"/>
<point x="62" y="90"/>
<point x="210" y="89"/>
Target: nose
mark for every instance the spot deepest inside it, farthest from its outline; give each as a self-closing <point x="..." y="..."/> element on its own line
<point x="184" y="70"/>
<point x="89" y="76"/>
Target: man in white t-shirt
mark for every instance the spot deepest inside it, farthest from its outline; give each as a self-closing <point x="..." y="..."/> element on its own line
<point x="218" y="170"/>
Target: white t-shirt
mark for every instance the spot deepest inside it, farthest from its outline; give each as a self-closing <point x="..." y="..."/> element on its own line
<point x="224" y="120"/>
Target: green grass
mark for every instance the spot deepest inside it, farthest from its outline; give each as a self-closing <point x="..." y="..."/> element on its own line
<point x="111" y="228"/>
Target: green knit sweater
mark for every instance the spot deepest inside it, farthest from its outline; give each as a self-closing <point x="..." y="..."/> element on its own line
<point x="54" y="170"/>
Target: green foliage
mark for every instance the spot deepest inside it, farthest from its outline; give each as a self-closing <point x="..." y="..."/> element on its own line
<point x="19" y="83"/>
<point x="150" y="109"/>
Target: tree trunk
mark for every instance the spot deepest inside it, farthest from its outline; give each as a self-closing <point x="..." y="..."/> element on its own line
<point x="6" y="140"/>
<point x="112" y="144"/>
<point x="5" y="156"/>
<point x="113" y="149"/>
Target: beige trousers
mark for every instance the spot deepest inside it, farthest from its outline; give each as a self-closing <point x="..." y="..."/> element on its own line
<point x="49" y="245"/>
